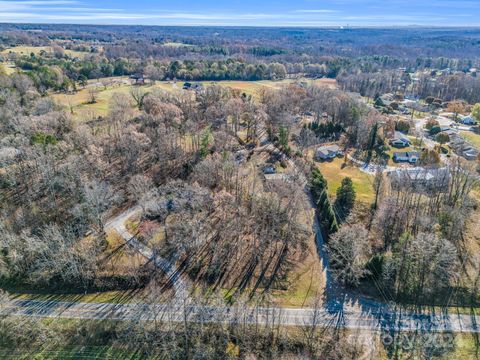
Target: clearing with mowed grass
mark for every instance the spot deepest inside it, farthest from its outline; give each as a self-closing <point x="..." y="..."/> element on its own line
<point x="104" y="89"/>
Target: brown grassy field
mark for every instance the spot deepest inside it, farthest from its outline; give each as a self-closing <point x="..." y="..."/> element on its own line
<point x="27" y="50"/>
<point x="79" y="100"/>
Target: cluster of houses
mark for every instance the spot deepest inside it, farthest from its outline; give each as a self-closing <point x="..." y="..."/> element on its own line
<point x="462" y="147"/>
<point x="458" y="144"/>
<point x="400" y="140"/>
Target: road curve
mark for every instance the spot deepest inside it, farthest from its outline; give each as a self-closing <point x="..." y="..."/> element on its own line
<point x="118" y="224"/>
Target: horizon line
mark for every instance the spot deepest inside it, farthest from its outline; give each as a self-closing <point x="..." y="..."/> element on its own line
<point x="339" y="26"/>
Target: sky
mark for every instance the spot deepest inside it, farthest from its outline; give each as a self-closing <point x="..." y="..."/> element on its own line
<point x="301" y="13"/>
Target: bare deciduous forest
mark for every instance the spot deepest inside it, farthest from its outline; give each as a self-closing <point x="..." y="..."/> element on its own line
<point x="335" y="179"/>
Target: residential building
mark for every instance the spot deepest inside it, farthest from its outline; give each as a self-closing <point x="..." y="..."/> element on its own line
<point x="327" y="152"/>
<point x="400" y="140"/>
<point x="411" y="157"/>
<point x="468" y="120"/>
<point x="269" y="169"/>
<point x="420" y="179"/>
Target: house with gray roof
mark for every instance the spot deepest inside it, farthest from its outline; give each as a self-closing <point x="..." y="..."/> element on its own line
<point x="400" y="140"/>
<point x="411" y="157"/>
<point x="421" y="179"/>
<point x="327" y="152"/>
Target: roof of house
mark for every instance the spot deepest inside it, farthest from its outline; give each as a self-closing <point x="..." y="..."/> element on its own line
<point x="277" y="177"/>
<point x="327" y="150"/>
<point x="400" y="136"/>
<point x="407" y="154"/>
<point x="404" y="177"/>
<point x="269" y="169"/>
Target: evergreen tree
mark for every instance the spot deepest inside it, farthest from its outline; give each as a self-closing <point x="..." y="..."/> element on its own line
<point x="318" y="184"/>
<point x="325" y="213"/>
<point x="283" y="140"/>
<point x="345" y="197"/>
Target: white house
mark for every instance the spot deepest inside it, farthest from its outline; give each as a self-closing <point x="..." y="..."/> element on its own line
<point x="411" y="157"/>
<point x="420" y="179"/>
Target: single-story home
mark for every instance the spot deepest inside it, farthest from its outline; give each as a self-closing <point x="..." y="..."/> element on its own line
<point x="400" y="140"/>
<point x="269" y="169"/>
<point x="470" y="153"/>
<point x="139" y="79"/>
<point x="468" y="120"/>
<point x="450" y="132"/>
<point x="277" y="177"/>
<point x="421" y="179"/>
<point x="327" y="152"/>
<point x="411" y="157"/>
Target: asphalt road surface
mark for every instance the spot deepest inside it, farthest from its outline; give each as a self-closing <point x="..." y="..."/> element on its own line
<point x="374" y="321"/>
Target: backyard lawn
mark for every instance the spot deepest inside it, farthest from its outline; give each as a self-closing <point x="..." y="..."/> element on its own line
<point x="471" y="137"/>
<point x="334" y="171"/>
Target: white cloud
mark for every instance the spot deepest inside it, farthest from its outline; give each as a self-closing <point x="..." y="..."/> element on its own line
<point x="316" y="11"/>
<point x="81" y="11"/>
<point x="29" y="5"/>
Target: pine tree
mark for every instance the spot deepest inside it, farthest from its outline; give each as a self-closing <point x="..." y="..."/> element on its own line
<point x="317" y="183"/>
<point x="345" y="198"/>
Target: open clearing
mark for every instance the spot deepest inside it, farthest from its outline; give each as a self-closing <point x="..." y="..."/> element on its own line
<point x="8" y="68"/>
<point x="176" y="44"/>
<point x="471" y="137"/>
<point x="27" y="50"/>
<point x="79" y="100"/>
<point x="335" y="170"/>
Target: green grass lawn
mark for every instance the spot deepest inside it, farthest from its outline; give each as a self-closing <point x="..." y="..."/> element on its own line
<point x="8" y="68"/>
<point x="394" y="150"/>
<point x="113" y="297"/>
<point x="334" y="171"/>
<point x="471" y="137"/>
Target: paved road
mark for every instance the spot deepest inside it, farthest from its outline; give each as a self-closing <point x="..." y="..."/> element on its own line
<point x="118" y="224"/>
<point x="374" y="321"/>
<point x="339" y="309"/>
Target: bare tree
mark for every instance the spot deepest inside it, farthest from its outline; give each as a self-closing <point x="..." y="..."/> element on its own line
<point x="99" y="196"/>
<point x="92" y="95"/>
<point x="138" y="187"/>
<point x="138" y="95"/>
<point x="349" y="249"/>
